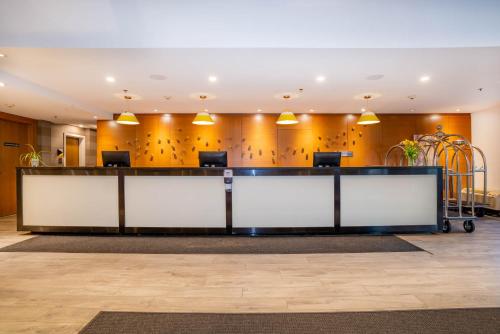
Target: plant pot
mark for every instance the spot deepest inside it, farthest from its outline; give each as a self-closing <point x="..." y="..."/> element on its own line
<point x="35" y="162"/>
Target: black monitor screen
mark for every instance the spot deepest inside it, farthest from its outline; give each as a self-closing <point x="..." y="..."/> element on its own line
<point x="115" y="159"/>
<point x="213" y="159"/>
<point x="326" y="159"/>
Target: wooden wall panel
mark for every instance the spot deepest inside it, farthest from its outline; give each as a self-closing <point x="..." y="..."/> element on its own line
<point x="228" y="135"/>
<point x="186" y="141"/>
<point x="259" y="140"/>
<point x="112" y="136"/>
<point x="459" y="124"/>
<point x="428" y="123"/>
<point x="394" y="129"/>
<point x="365" y="142"/>
<point x="254" y="140"/>
<point x="9" y="159"/>
<point x="160" y="147"/>
<point x="18" y="130"/>
<point x="330" y="134"/>
<point x="295" y="143"/>
<point x="148" y="141"/>
<point x="295" y="147"/>
<point x="451" y="123"/>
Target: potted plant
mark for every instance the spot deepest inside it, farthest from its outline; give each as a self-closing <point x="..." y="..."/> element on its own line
<point x="34" y="157"/>
<point x="411" y="150"/>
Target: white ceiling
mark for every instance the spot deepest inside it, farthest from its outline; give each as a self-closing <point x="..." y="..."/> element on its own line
<point x="250" y="23"/>
<point x="70" y="83"/>
<point x="59" y="53"/>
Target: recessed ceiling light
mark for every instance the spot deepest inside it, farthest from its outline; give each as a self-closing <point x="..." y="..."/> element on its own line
<point x="259" y="110"/>
<point x="95" y="117"/>
<point x="363" y="109"/>
<point x="2" y="55"/>
<point x="311" y="110"/>
<point x="425" y="78"/>
<point x="458" y="109"/>
<point x="110" y="79"/>
<point x="212" y="78"/>
<point x="320" y="78"/>
<point x="2" y="84"/>
<point x="155" y="110"/>
<point x="205" y="110"/>
<point x="80" y="125"/>
<point x="412" y="110"/>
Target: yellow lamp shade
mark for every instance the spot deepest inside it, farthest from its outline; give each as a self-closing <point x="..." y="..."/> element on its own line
<point x="368" y="117"/>
<point x="203" y="118"/>
<point x="127" y="118"/>
<point x="287" y="117"/>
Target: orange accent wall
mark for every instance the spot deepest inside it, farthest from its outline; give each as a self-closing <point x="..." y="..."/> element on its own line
<point x="255" y="140"/>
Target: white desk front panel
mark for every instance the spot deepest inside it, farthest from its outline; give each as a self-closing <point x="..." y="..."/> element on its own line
<point x="385" y="200"/>
<point x="175" y="201"/>
<point x="70" y="200"/>
<point x="283" y="201"/>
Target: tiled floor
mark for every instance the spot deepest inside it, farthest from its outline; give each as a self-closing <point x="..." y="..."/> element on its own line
<point x="59" y="293"/>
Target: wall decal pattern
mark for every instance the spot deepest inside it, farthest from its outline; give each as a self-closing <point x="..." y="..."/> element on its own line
<point x="259" y="142"/>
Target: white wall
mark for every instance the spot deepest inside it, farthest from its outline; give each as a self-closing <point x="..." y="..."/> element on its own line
<point x="486" y="135"/>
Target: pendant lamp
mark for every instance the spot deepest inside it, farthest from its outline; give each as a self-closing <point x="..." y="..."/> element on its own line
<point x="203" y="118"/>
<point x="127" y="117"/>
<point x="287" y="117"/>
<point x="368" y="117"/>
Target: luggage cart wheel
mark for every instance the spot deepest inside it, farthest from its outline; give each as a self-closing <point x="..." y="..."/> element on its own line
<point x="480" y="212"/>
<point x="469" y="226"/>
<point x="446" y="226"/>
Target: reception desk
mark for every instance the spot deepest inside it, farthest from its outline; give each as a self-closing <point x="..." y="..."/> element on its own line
<point x="230" y="200"/>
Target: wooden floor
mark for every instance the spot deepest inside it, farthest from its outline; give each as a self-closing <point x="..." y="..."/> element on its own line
<point x="59" y="293"/>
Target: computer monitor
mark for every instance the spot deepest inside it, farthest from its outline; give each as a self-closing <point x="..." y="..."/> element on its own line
<point x="212" y="159"/>
<point x="326" y="159"/>
<point x="115" y="159"/>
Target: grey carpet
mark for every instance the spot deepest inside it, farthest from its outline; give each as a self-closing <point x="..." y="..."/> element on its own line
<point x="484" y="321"/>
<point x="212" y="244"/>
